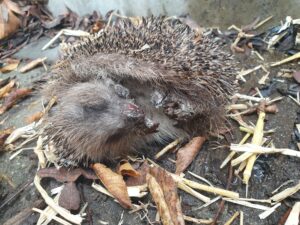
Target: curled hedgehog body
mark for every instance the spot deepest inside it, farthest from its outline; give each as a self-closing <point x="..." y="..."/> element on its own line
<point x="134" y="84"/>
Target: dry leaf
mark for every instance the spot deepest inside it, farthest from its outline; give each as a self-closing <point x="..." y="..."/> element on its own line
<point x="64" y="175"/>
<point x="7" y="88"/>
<point x="32" y="64"/>
<point x="126" y="169"/>
<point x="13" y="97"/>
<point x="4" y="134"/>
<point x="158" y="197"/>
<point x="10" y="65"/>
<point x="34" y="117"/>
<point x="9" y="22"/>
<point x="141" y="179"/>
<point x="114" y="184"/>
<point x="3" y="138"/>
<point x="296" y="76"/>
<point x="69" y="197"/>
<point x="169" y="188"/>
<point x="186" y="154"/>
<point x="4" y="82"/>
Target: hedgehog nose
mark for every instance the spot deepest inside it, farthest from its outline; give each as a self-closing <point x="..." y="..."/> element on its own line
<point x="133" y="111"/>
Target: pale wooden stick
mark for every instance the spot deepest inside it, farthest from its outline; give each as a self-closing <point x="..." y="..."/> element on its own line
<point x="197" y="221"/>
<point x="285" y="193"/>
<point x="267" y="213"/>
<point x="167" y="148"/>
<point x="293" y="218"/>
<point x="57" y="219"/>
<point x="230" y="221"/>
<point x="248" y="204"/>
<point x="232" y="154"/>
<point x="257" y="140"/>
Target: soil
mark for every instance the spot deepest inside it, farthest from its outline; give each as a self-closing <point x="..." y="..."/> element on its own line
<point x="269" y="172"/>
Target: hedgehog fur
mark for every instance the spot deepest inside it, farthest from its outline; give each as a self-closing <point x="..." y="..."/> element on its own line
<point x="180" y="81"/>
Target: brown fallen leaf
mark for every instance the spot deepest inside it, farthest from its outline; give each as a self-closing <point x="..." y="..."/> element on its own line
<point x="158" y="197"/>
<point x="64" y="175"/>
<point x="296" y="76"/>
<point x="13" y="98"/>
<point x="114" y="184"/>
<point x="9" y="66"/>
<point x="141" y="179"/>
<point x="7" y="88"/>
<point x="126" y="169"/>
<point x="34" y="117"/>
<point x="169" y="188"/>
<point x="69" y="197"/>
<point x="4" y="82"/>
<point x="187" y="153"/>
<point x="32" y="64"/>
<point x="3" y="138"/>
<point x="9" y="22"/>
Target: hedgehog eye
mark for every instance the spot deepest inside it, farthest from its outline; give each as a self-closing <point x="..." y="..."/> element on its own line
<point x="97" y="108"/>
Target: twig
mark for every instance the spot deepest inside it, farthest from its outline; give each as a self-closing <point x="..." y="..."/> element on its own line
<point x="167" y="148"/>
<point x="230" y="221"/>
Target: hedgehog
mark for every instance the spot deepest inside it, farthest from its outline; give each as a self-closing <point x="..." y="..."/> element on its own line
<point x="133" y="85"/>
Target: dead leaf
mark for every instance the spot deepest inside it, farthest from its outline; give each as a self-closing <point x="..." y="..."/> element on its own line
<point x="69" y="197"/>
<point x="9" y="22"/>
<point x="32" y="64"/>
<point x="158" y="197"/>
<point x="12" y="99"/>
<point x="4" y="82"/>
<point x="187" y="153"/>
<point x="34" y="117"/>
<point x="64" y="175"/>
<point x="114" y="184"/>
<point x="296" y="76"/>
<point x="141" y="179"/>
<point x="7" y="131"/>
<point x="3" y="138"/>
<point x="126" y="169"/>
<point x="10" y="65"/>
<point x="169" y="188"/>
<point x="7" y="88"/>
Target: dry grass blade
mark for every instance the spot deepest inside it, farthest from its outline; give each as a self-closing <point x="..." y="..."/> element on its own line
<point x="257" y="140"/>
<point x="114" y="184"/>
<point x="252" y="148"/>
<point x="286" y="60"/>
<point x="232" y="154"/>
<point x="247" y="204"/>
<point x="285" y="193"/>
<point x="293" y="218"/>
<point x="192" y="192"/>
<point x="234" y="216"/>
<point x="57" y="219"/>
<point x="32" y="64"/>
<point x="158" y="197"/>
<point x="267" y="213"/>
<point x="197" y="221"/>
<point x="38" y="150"/>
<point x="167" y="148"/>
<point x="77" y="219"/>
<point x="133" y="191"/>
<point x="186" y="154"/>
<point x="19" y="132"/>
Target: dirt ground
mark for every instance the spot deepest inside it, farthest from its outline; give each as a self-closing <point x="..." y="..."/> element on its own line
<point x="269" y="171"/>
